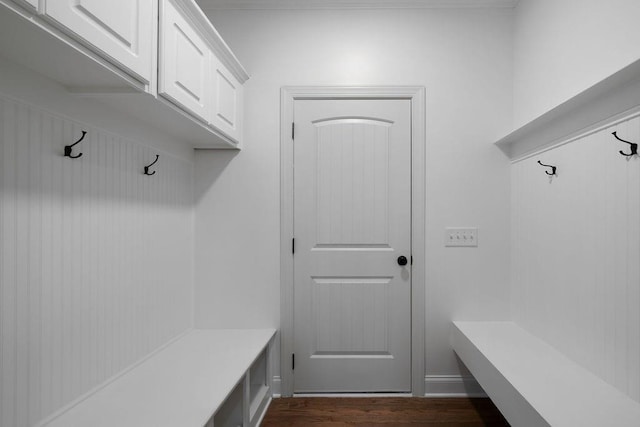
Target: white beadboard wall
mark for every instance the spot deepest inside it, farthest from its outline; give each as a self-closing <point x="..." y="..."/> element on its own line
<point x="576" y="252"/>
<point x="95" y="259"/>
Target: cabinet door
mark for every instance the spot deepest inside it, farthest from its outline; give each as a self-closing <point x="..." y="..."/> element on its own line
<point x="122" y="29"/>
<point x="185" y="60"/>
<point x="227" y="101"/>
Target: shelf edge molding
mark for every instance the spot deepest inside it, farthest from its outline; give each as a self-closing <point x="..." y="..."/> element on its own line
<point x="611" y="98"/>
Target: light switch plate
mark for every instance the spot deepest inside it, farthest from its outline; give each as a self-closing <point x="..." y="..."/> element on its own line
<point x="461" y="236"/>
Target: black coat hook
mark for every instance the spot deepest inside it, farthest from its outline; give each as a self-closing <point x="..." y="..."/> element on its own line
<point x="146" y="168"/>
<point x="553" y="168"/>
<point x="69" y="148"/>
<point x="634" y="147"/>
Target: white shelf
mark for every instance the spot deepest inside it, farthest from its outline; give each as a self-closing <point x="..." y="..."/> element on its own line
<point x="182" y="385"/>
<point x="230" y="414"/>
<point x="259" y="392"/>
<point x="611" y="97"/>
<point x="534" y="384"/>
<point x="258" y="396"/>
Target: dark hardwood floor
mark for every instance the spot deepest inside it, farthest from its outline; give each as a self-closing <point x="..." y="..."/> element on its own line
<point x="382" y="411"/>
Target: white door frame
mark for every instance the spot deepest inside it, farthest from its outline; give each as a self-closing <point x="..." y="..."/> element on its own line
<point x="416" y="94"/>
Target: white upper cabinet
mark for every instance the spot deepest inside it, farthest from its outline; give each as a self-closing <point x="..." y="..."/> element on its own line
<point x="185" y="58"/>
<point x="167" y="50"/>
<point x="123" y="30"/>
<point x="197" y="71"/>
<point x="227" y="101"/>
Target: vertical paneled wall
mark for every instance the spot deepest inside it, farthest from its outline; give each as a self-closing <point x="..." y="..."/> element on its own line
<point x="576" y="252"/>
<point x="95" y="259"/>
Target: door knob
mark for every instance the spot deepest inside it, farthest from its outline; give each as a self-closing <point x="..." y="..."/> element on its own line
<point x="402" y="260"/>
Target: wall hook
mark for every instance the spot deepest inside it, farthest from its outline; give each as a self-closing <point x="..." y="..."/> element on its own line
<point x="553" y="168"/>
<point x="146" y="168"/>
<point x="69" y="148"/>
<point x="634" y="147"/>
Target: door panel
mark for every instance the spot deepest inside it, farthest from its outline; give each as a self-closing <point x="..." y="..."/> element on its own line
<point x="122" y="29"/>
<point x="350" y="316"/>
<point x="351" y="183"/>
<point x="352" y="220"/>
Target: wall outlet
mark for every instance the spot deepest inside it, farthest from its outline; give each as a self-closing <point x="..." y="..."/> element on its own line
<point x="461" y="236"/>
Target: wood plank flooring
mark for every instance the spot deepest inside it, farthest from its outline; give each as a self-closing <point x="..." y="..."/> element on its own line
<point x="382" y="411"/>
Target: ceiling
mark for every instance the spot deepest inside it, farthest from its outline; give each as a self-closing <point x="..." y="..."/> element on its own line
<point x="352" y="4"/>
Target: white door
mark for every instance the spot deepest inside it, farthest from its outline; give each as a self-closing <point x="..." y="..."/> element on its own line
<point x="185" y="59"/>
<point x="352" y="221"/>
<point x="122" y="29"/>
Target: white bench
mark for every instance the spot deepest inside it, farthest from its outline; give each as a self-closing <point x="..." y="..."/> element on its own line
<point x="203" y="378"/>
<point x="533" y="384"/>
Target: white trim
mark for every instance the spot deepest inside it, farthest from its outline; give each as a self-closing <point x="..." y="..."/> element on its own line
<point x="200" y="20"/>
<point x="418" y="208"/>
<point x="352" y="4"/>
<point x="597" y="127"/>
<point x="343" y="395"/>
<point x="276" y="386"/>
<point x="452" y="386"/>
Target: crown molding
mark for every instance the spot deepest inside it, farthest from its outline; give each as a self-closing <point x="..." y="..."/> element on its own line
<point x="199" y="20"/>
<point x="352" y="4"/>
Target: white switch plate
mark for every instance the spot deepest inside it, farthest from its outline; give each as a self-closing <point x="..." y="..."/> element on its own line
<point x="461" y="236"/>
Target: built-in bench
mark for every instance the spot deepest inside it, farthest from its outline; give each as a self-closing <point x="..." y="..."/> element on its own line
<point x="207" y="377"/>
<point x="533" y="384"/>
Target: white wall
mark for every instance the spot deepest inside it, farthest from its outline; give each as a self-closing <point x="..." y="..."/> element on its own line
<point x="576" y="253"/>
<point x="562" y="47"/>
<point x="575" y="250"/>
<point x="462" y="57"/>
<point x="96" y="265"/>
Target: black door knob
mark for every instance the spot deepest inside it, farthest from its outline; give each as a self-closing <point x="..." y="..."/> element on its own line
<point x="402" y="260"/>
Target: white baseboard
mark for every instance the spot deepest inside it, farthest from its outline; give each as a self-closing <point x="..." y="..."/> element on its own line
<point x="434" y="386"/>
<point x="452" y="386"/>
<point x="276" y="386"/>
<point x="347" y="395"/>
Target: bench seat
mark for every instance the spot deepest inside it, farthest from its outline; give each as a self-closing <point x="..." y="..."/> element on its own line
<point x="533" y="384"/>
<point x="183" y="384"/>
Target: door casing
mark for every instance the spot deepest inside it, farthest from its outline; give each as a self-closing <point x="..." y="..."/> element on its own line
<point x="416" y="95"/>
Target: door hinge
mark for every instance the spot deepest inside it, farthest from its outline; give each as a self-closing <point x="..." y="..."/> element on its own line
<point x="411" y="259"/>
<point x="293" y="131"/>
<point x="293" y="361"/>
<point x="293" y="245"/>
